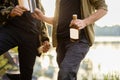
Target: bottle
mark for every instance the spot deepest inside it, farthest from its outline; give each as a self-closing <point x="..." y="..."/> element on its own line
<point x="74" y="32"/>
<point x="28" y="4"/>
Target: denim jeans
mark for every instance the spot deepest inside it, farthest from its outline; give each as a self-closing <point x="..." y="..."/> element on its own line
<point x="69" y="56"/>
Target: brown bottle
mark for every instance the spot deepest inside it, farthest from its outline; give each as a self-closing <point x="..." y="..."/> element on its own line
<point x="74" y="32"/>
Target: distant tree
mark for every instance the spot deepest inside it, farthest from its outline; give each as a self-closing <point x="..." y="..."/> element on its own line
<point x="107" y="30"/>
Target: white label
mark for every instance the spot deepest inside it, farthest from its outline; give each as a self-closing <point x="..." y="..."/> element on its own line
<point x="74" y="33"/>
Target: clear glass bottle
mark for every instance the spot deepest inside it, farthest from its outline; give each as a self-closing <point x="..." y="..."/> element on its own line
<point x="74" y="32"/>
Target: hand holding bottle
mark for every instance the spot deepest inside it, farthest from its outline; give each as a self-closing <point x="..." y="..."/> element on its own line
<point x="38" y="14"/>
<point x="44" y="47"/>
<point x="17" y="11"/>
<point x="78" y="23"/>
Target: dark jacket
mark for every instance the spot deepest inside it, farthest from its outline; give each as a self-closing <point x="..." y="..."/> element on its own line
<point x="5" y="8"/>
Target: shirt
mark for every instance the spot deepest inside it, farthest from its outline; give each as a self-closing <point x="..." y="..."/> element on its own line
<point x="67" y="9"/>
<point x="88" y="8"/>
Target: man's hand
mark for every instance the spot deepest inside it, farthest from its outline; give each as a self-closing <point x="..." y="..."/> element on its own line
<point x="79" y="24"/>
<point x="44" y="47"/>
<point x="17" y="11"/>
<point x="38" y="14"/>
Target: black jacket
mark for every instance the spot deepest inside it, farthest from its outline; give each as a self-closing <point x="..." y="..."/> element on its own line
<point x="25" y="22"/>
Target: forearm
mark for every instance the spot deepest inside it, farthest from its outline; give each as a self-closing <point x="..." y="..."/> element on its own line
<point x="48" y="20"/>
<point x="38" y="14"/>
<point x="95" y="16"/>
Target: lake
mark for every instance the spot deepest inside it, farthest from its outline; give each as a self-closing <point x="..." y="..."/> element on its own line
<point x="104" y="56"/>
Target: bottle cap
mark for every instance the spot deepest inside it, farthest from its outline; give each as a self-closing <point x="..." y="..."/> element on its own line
<point x="74" y="16"/>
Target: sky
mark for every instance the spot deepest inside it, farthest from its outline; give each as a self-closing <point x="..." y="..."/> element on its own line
<point x="110" y="19"/>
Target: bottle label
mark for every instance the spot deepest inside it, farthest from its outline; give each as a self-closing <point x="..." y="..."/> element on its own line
<point x="74" y="33"/>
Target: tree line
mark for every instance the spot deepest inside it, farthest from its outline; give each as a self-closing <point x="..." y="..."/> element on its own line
<point x="107" y="30"/>
<point x="99" y="31"/>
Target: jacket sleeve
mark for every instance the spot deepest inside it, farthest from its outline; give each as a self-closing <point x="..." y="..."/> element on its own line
<point x="99" y="4"/>
<point x="44" y="32"/>
<point x="42" y="26"/>
<point x="5" y="9"/>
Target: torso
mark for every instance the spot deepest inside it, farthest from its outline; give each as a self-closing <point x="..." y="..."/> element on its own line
<point x="67" y="9"/>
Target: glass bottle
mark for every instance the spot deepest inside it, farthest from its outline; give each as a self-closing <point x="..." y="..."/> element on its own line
<point x="74" y="32"/>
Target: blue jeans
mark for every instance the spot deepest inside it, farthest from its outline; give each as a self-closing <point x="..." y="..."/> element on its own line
<point x="69" y="56"/>
<point x="27" y="43"/>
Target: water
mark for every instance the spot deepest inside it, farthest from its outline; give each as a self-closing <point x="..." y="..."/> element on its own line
<point x="104" y="56"/>
<point x="106" y="53"/>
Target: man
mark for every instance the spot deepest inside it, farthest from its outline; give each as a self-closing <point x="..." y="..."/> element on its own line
<point x="70" y="54"/>
<point x="19" y="28"/>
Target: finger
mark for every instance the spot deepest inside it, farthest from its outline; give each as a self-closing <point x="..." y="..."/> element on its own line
<point x="20" y="9"/>
<point x="17" y="13"/>
<point x="71" y="23"/>
<point x="32" y="14"/>
<point x="35" y="16"/>
<point x="46" y="48"/>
